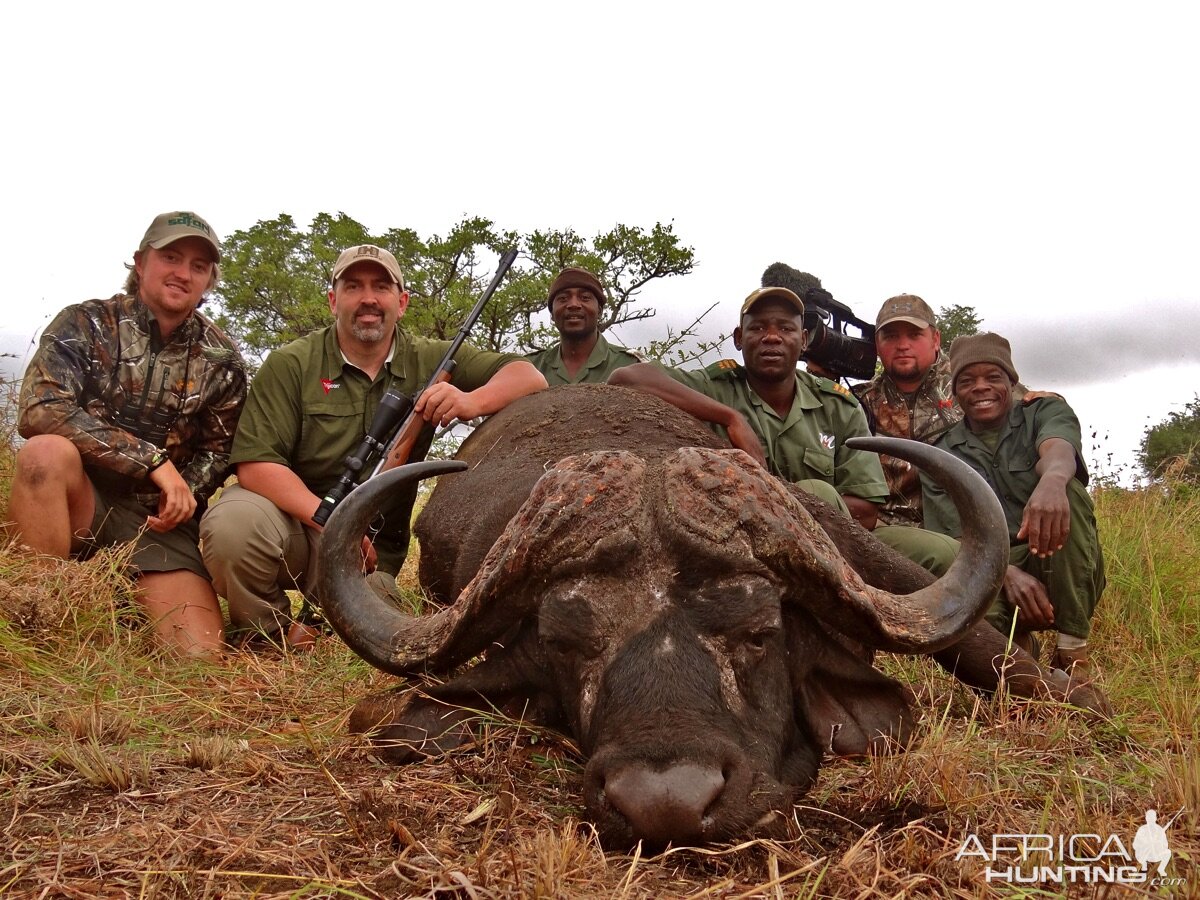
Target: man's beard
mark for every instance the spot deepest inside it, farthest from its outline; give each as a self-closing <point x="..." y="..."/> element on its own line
<point x="368" y="334"/>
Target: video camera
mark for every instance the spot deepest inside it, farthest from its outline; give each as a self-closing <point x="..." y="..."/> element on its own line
<point x="830" y="345"/>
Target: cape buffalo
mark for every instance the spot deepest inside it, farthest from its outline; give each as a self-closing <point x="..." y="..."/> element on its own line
<point x="697" y="625"/>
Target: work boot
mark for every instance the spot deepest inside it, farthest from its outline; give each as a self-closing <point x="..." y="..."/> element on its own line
<point x="1027" y="642"/>
<point x="1081" y="674"/>
<point x="1075" y="663"/>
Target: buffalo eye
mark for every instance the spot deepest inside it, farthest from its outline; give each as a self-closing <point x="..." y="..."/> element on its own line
<point x="759" y="639"/>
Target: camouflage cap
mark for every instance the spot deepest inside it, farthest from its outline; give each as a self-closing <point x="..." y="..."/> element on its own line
<point x="906" y="308"/>
<point x="173" y="226"/>
<point x="777" y="293"/>
<point x="368" y="253"/>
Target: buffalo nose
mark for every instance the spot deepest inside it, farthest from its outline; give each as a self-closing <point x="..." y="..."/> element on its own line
<point x="665" y="806"/>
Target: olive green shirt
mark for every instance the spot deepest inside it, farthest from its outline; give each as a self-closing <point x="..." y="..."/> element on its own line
<point x="604" y="359"/>
<point x="1010" y="467"/>
<point x="309" y="409"/>
<point x="808" y="443"/>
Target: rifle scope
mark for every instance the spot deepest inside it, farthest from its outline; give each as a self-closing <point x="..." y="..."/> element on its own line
<point x="392" y="409"/>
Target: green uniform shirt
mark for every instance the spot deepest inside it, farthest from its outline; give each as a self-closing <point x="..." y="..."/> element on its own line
<point x="604" y="359"/>
<point x="309" y="409"/>
<point x="809" y="443"/>
<point x="1009" y="469"/>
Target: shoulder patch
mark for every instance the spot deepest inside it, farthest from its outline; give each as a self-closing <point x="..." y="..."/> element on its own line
<point x="834" y="387"/>
<point x="722" y="367"/>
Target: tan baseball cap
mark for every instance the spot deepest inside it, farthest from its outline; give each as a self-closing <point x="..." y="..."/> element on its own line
<point x="172" y="226"/>
<point x="778" y="293"/>
<point x="368" y="253"/>
<point x="905" y="308"/>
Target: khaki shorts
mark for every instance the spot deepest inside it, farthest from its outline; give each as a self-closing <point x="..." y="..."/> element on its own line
<point x="122" y="519"/>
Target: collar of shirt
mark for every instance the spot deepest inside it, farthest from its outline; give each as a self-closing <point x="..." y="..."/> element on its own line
<point x="335" y="359"/>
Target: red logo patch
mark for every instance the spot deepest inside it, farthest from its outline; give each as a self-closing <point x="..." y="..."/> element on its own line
<point x="327" y="384"/>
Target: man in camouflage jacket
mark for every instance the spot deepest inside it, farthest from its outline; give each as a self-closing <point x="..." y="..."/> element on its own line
<point x="911" y="397"/>
<point x="129" y="407"/>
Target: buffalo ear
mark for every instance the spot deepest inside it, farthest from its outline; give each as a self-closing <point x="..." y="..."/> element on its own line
<point x="849" y="707"/>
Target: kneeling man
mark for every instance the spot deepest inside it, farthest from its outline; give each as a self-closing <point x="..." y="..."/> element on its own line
<point x="1030" y="454"/>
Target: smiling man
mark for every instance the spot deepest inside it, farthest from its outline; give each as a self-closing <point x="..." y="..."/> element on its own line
<point x="583" y="356"/>
<point x="310" y="406"/>
<point x="1030" y="453"/>
<point x="129" y="407"/>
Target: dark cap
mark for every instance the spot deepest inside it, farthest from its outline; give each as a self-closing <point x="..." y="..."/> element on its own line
<point x="777" y="293"/>
<point x="980" y="348"/>
<point x="906" y="308"/>
<point x="575" y="277"/>
<point x="173" y="226"/>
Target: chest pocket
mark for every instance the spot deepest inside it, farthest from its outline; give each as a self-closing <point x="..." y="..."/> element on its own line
<point x="331" y="430"/>
<point x="819" y="461"/>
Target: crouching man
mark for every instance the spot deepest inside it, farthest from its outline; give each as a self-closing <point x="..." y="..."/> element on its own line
<point x="1030" y="454"/>
<point x="309" y="408"/>
<point x="129" y="408"/>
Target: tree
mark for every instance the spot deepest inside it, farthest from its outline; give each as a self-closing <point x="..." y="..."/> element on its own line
<point x="276" y="277"/>
<point x="955" y="321"/>
<point x="1174" y="442"/>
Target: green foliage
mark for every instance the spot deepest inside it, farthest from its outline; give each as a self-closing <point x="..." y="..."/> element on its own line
<point x="1174" y="444"/>
<point x="276" y="277"/>
<point x="955" y="321"/>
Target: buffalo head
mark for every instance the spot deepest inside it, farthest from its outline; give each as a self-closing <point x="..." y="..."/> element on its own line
<point x="677" y="610"/>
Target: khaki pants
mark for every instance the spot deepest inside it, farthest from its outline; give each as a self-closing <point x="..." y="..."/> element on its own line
<point x="255" y="552"/>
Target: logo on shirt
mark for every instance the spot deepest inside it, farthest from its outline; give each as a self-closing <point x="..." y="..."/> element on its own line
<point x="329" y="385"/>
<point x="826" y="440"/>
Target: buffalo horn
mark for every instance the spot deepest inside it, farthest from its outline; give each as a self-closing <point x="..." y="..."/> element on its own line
<point x="935" y="616"/>
<point x="373" y="627"/>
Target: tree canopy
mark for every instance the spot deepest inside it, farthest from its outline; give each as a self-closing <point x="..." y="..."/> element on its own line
<point x="275" y="277"/>
<point x="955" y="321"/>
<point x="1174" y="444"/>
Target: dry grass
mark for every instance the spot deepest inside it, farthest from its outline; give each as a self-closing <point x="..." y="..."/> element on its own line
<point x="125" y="774"/>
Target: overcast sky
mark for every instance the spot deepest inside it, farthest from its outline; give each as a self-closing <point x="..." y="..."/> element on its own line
<point x="1037" y="161"/>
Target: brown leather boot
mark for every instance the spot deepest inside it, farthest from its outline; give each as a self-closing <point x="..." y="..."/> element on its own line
<point x="1075" y="663"/>
<point x="1027" y="642"/>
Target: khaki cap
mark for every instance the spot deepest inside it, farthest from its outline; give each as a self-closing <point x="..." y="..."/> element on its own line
<point x="368" y="253"/>
<point x="173" y="226"/>
<point x="905" y="308"/>
<point x="778" y="293"/>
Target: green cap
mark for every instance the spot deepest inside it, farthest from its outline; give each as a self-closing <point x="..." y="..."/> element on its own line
<point x="173" y="226"/>
<point x="778" y="293"/>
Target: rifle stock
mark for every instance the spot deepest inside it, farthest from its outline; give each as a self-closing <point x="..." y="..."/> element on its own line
<point x="402" y="445"/>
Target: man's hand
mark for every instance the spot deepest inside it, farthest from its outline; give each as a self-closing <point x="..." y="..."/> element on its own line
<point x="1029" y="596"/>
<point x="176" y="502"/>
<point x="1046" y="521"/>
<point x="442" y="403"/>
<point x="742" y="436"/>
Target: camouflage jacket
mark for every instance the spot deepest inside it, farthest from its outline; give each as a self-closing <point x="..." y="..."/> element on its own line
<point x="103" y="378"/>
<point x="924" y="416"/>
